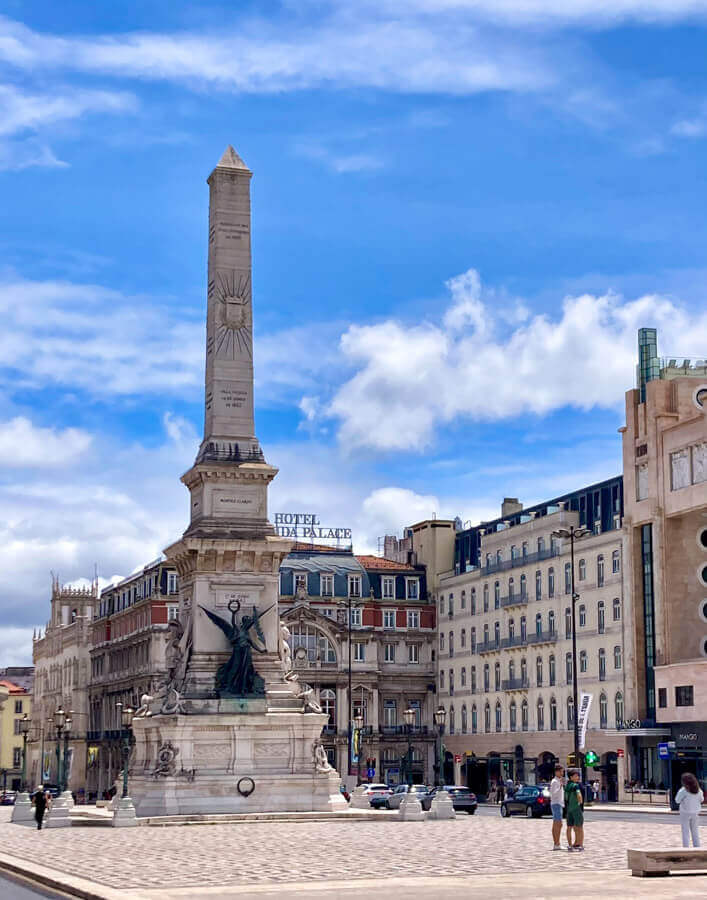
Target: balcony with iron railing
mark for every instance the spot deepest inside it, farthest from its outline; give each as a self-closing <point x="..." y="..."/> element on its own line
<point x="505" y="564"/>
<point x="516" y="640"/>
<point x="543" y="637"/>
<point x="488" y="646"/>
<point x="515" y="684"/>
<point x="514" y="600"/>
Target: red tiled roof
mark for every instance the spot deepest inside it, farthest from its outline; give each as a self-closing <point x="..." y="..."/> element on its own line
<point x="380" y="563"/>
<point x="12" y="687"/>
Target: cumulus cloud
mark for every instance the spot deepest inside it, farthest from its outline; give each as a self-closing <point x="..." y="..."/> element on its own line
<point x="23" y="444"/>
<point x="24" y="110"/>
<point x="410" y="379"/>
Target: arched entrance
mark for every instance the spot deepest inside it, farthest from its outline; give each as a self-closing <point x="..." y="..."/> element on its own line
<point x="545" y="766"/>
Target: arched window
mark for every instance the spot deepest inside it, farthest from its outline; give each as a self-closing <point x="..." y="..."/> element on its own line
<point x="511" y="588"/>
<point x="499" y="556"/>
<point x="474" y="721"/>
<point x="538" y="624"/>
<point x="327" y="701"/>
<point x="497" y="676"/>
<point x="486" y="598"/>
<point x="619" y="709"/>
<point x="497" y="633"/>
<point x="617" y="657"/>
<point x="616" y="609"/>
<point x="551" y="582"/>
<point x="524" y="669"/>
<point x="496" y="594"/>
<point x="551" y="669"/>
<point x="570" y="713"/>
<point x="499" y="716"/>
<point x="511" y="670"/>
<point x="541" y="714"/>
<point x="464" y="722"/>
<point x="523" y="586"/>
<point x="473" y="640"/>
<point x="512" y="716"/>
<point x="553" y="714"/>
<point x="541" y="544"/>
<point x="451" y="720"/>
<point x="487" y="718"/>
<point x="451" y="643"/>
<point x="463" y="603"/>
<point x="602" y="664"/>
<point x="463" y="637"/>
<point x="511" y="628"/>
<point x="600" y="570"/>
<point x="523" y="628"/>
<point x="463" y="676"/>
<point x="473" y="679"/>
<point x="601" y="617"/>
<point x="582" y="660"/>
<point x="314" y="641"/>
<point x="603" y="711"/>
<point x="524" y="549"/>
<point x="568" y="622"/>
<point x="538" y="585"/>
<point x="473" y="601"/>
<point x="441" y="603"/>
<point x="487" y="673"/>
<point x="615" y="562"/>
<point x="568" y="667"/>
<point x="582" y="615"/>
<point x="539" y="671"/>
<point x="441" y="679"/>
<point x="524" y="715"/>
<point x="568" y="578"/>
<point x="582" y="574"/>
<point x="441" y="642"/>
<point x="486" y="634"/>
<point x="551" y="621"/>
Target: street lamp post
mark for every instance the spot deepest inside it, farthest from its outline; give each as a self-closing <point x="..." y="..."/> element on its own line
<point x="125" y="714"/>
<point x="25" y="725"/>
<point x="358" y="725"/>
<point x="574" y="534"/>
<point x="65" y="768"/>
<point x="409" y="716"/>
<point x="440" y="717"/>
<point x="58" y="721"/>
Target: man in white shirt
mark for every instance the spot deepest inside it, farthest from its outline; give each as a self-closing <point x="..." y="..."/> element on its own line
<point x="557" y="803"/>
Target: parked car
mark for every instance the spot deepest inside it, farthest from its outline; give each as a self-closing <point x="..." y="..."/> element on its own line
<point x="8" y="798"/>
<point x="376" y="791"/>
<point x="531" y="800"/>
<point x="394" y="800"/>
<point x="463" y="800"/>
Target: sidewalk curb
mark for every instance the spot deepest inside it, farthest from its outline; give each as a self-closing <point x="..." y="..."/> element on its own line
<point x="69" y="884"/>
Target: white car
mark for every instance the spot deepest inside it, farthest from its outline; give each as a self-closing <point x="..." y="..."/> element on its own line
<point x="376" y="790"/>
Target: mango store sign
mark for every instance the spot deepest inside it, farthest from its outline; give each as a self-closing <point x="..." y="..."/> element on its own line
<point x="308" y="527"/>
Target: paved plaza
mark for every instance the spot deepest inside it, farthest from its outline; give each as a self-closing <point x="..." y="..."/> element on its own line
<point x="268" y="858"/>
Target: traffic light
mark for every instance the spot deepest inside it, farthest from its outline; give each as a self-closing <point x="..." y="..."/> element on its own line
<point x="591" y="758"/>
<point x="578" y="762"/>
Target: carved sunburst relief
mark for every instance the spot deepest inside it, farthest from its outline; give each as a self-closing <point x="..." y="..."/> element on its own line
<point x="233" y="336"/>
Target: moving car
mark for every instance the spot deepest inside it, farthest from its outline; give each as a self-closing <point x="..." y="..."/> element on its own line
<point x="463" y="800"/>
<point x="8" y="798"/>
<point x="399" y="791"/>
<point x="531" y="800"/>
<point x="376" y="791"/>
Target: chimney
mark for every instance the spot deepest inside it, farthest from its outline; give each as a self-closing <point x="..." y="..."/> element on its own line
<point x="510" y="507"/>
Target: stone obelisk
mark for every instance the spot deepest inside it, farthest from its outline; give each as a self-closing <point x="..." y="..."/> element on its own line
<point x="205" y="744"/>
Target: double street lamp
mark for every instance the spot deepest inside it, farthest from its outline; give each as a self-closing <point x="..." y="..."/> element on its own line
<point x="62" y="723"/>
<point x="125" y="714"/>
<point x="409" y="717"/>
<point x="358" y="725"/>
<point x="440" y="717"/>
<point x="574" y="534"/>
<point x="25" y="725"/>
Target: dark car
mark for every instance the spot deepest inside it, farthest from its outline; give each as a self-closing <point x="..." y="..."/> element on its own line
<point x="8" y="798"/>
<point x="531" y="800"/>
<point x="463" y="800"/>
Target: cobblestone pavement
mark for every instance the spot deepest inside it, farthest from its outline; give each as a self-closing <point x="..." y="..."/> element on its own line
<point x="262" y="852"/>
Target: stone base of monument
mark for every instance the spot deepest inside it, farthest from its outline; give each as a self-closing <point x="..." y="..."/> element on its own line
<point x="231" y="763"/>
<point x="411" y="809"/>
<point x="442" y="807"/>
<point x="59" y="814"/>
<point x="124" y="815"/>
<point x="359" y="798"/>
<point x="22" y="811"/>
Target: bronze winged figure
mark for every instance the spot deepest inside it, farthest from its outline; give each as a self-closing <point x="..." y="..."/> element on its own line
<point x="237" y="676"/>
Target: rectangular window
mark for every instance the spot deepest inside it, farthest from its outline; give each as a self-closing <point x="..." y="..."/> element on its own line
<point x="413" y="653"/>
<point x="354" y="585"/>
<point x="355" y="616"/>
<point x="390" y="713"/>
<point x="388" y="587"/>
<point x="685" y="695"/>
<point x="328" y="612"/>
<point x="662" y="697"/>
<point x="16" y="757"/>
<point x="171" y="583"/>
<point x="18" y="706"/>
<point x="388" y="618"/>
<point x="327" y="585"/>
<point x="389" y="653"/>
<point x="699" y="463"/>
<point x="413" y="590"/>
<point x="17" y="726"/>
<point x="413" y="618"/>
<point x="680" y="474"/>
<point x="359" y="653"/>
<point x="172" y="612"/>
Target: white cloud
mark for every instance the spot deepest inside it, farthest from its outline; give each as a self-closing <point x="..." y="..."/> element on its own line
<point x="26" y="111"/>
<point x="18" y="155"/>
<point x="410" y="379"/>
<point x="16" y="646"/>
<point x="23" y="444"/>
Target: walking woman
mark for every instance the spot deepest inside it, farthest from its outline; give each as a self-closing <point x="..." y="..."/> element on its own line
<point x="689" y="798"/>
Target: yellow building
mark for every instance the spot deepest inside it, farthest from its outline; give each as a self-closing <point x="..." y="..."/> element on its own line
<point x="15" y="703"/>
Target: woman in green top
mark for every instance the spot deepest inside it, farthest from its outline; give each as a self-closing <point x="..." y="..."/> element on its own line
<point x="575" y="814"/>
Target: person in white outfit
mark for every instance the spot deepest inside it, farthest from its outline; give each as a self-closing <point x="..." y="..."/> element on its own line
<point x="689" y="798"/>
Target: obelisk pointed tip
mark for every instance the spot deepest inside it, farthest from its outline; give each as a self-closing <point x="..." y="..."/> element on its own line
<point x="231" y="160"/>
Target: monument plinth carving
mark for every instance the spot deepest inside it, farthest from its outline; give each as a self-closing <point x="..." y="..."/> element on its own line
<point x="229" y="668"/>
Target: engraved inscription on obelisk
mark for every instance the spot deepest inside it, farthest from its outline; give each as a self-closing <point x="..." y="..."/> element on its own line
<point x="229" y="323"/>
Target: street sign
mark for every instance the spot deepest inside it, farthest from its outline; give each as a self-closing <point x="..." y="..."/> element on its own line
<point x="370" y="773"/>
<point x="457" y="758"/>
<point x="663" y="751"/>
<point x="620" y="752"/>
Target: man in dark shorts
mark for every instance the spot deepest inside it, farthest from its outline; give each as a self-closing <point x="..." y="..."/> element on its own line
<point x="575" y="811"/>
<point x="39" y="800"/>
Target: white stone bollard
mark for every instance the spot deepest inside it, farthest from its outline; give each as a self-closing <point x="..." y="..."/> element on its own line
<point x="124" y="815"/>
<point x="22" y="811"/>
<point x="58" y="816"/>
<point x="442" y="807"/>
<point x="68" y="798"/>
<point x="359" y="798"/>
<point x="411" y="809"/>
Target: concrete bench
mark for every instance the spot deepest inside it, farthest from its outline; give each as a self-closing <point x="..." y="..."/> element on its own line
<point x="648" y="863"/>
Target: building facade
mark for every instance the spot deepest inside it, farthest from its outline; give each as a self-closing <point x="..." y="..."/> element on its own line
<point x="15" y="704"/>
<point x="665" y="472"/>
<point x="361" y="631"/>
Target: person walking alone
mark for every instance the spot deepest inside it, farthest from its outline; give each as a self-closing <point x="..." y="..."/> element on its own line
<point x="557" y="805"/>
<point x="40" y="800"/>
<point x="575" y="812"/>
<point x="689" y="798"/>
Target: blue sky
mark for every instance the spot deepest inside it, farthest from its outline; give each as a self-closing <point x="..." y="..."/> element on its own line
<point x="463" y="210"/>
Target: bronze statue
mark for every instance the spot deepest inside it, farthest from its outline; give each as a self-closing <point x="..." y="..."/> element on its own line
<point x="237" y="677"/>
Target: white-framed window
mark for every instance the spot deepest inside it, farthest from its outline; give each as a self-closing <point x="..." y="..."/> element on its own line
<point x="359" y="651"/>
<point x="354" y="585"/>
<point x="172" y="612"/>
<point x="389" y="653"/>
<point x="172" y="584"/>
<point x="413" y="618"/>
<point x="616" y="609"/>
<point x="412" y="588"/>
<point x="615" y="562"/>
<point x="388" y="587"/>
<point x="413" y="653"/>
<point x="390" y="713"/>
<point x="326" y="582"/>
<point x="301" y="582"/>
<point x="355" y="616"/>
<point x="388" y="618"/>
<point x="617" y="657"/>
<point x="327" y="611"/>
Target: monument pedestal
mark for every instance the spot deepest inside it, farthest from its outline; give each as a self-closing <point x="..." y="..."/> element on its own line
<point x="442" y="807"/>
<point x="22" y="811"/>
<point x="124" y="815"/>
<point x="411" y="809"/>
<point x="59" y="814"/>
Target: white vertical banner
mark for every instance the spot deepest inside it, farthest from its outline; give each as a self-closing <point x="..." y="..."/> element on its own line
<point x="585" y="703"/>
